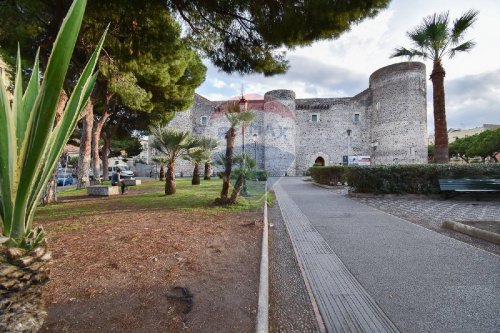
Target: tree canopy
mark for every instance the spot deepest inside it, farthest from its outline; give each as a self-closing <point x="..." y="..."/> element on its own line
<point x="244" y="36"/>
<point x="248" y="36"/>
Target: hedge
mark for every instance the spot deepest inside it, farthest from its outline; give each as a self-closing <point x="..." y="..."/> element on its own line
<point x="417" y="179"/>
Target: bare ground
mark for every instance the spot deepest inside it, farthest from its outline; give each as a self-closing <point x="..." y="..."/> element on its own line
<point x="112" y="272"/>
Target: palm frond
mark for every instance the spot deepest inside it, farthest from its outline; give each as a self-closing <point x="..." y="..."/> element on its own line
<point x="461" y="24"/>
<point x="436" y="28"/>
<point x="169" y="140"/>
<point x="410" y="53"/>
<point x="419" y="37"/>
<point x="464" y="47"/>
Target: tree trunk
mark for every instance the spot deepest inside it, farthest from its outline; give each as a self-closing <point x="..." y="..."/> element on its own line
<point x="96" y="136"/>
<point x="61" y="105"/>
<point x="208" y="171"/>
<point x="230" y="137"/>
<point x="83" y="179"/>
<point x="162" y="172"/>
<point x="104" y="156"/>
<point x="50" y="193"/>
<point x="196" y="174"/>
<point x="236" y="190"/>
<point x="170" y="187"/>
<point x="440" y="127"/>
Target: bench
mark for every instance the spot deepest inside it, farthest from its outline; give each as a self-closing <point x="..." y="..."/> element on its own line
<point x="469" y="185"/>
<point x="103" y="190"/>
<point x="131" y="182"/>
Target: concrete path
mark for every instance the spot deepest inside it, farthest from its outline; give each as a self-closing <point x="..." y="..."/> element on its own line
<point x="394" y="273"/>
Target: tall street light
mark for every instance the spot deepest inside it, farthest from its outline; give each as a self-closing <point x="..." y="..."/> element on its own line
<point x="243" y="107"/>
<point x="348" y="144"/>
<point x="254" y="137"/>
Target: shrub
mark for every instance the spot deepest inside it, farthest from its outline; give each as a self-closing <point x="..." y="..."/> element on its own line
<point x="417" y="179"/>
<point x="260" y="175"/>
<point x="328" y="175"/>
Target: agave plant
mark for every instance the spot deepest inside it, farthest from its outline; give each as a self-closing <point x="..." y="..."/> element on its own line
<point x="30" y="145"/>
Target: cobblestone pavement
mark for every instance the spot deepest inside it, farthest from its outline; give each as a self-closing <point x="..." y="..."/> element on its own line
<point x="290" y="309"/>
<point x="431" y="213"/>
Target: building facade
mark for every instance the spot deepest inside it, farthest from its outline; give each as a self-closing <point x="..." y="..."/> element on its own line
<point x="387" y="121"/>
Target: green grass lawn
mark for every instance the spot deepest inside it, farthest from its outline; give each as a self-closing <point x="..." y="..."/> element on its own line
<point x="150" y="196"/>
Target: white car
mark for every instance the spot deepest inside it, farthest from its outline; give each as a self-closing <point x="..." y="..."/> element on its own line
<point x="125" y="172"/>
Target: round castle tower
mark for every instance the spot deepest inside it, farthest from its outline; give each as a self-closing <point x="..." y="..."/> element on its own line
<point x="399" y="114"/>
<point x="279" y="129"/>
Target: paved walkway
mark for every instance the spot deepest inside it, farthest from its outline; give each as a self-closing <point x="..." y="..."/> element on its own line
<point x="372" y="272"/>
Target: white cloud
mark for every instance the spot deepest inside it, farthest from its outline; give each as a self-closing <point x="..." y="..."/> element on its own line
<point x="217" y="83"/>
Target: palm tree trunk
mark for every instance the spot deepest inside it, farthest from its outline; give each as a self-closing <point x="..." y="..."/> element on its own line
<point x="440" y="127"/>
<point x="208" y="171"/>
<point x="162" y="172"/>
<point x="196" y="174"/>
<point x="230" y="137"/>
<point x="236" y="190"/>
<point x="170" y="187"/>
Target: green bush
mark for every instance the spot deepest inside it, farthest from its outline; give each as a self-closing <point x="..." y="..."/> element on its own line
<point x="260" y="175"/>
<point x="328" y="175"/>
<point x="417" y="179"/>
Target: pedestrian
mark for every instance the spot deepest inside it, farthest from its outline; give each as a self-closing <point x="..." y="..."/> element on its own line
<point x="117" y="181"/>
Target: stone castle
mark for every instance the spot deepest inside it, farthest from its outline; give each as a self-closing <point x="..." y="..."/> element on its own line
<point x="387" y="121"/>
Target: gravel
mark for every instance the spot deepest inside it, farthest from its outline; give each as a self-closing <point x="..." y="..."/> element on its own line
<point x="290" y="306"/>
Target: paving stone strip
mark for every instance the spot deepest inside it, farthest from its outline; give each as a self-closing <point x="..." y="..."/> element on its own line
<point x="343" y="303"/>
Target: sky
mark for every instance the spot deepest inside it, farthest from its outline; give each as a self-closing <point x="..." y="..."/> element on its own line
<point x="341" y="67"/>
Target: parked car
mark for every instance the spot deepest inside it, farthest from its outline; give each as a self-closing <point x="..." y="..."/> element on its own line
<point x="63" y="180"/>
<point x="125" y="172"/>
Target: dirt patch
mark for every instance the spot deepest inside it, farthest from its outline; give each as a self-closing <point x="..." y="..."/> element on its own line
<point x="112" y="272"/>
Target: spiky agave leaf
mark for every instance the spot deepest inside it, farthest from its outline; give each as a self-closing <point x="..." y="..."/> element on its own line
<point x="29" y="145"/>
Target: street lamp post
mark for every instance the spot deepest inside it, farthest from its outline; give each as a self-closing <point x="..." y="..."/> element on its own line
<point x="374" y="146"/>
<point x="348" y="144"/>
<point x="254" y="137"/>
<point x="243" y="108"/>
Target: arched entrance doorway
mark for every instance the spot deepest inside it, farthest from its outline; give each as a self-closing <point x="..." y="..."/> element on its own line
<point x="320" y="161"/>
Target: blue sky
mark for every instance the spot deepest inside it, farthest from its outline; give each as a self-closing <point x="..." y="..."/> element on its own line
<point x="341" y="67"/>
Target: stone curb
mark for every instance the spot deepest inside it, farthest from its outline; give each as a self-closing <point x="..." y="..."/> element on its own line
<point x="473" y="231"/>
<point x="263" y="305"/>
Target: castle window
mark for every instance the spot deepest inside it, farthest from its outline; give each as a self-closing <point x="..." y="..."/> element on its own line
<point x="356" y="117"/>
<point x="314" y="118"/>
<point x="204" y="121"/>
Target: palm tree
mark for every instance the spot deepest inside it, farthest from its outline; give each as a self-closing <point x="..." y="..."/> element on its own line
<point x="246" y="168"/>
<point x="235" y="118"/>
<point x="209" y="144"/>
<point x="161" y="161"/>
<point x="197" y="155"/>
<point x="174" y="144"/>
<point x="434" y="40"/>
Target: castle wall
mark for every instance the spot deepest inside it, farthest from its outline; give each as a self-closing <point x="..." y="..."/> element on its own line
<point x="387" y="121"/>
<point x="279" y="133"/>
<point x="399" y="123"/>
